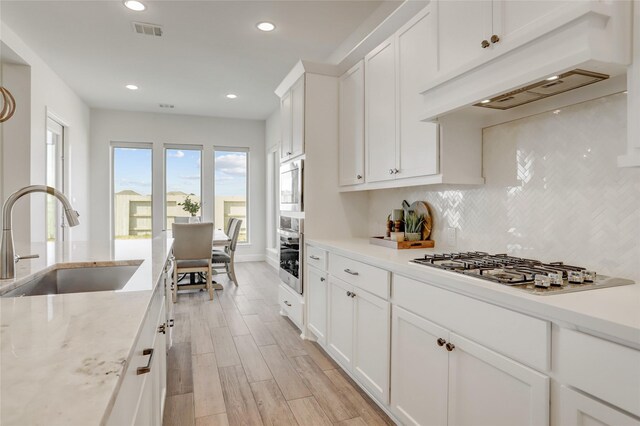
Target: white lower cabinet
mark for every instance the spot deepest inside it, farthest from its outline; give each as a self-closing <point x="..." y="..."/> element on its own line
<point x="439" y="378"/>
<point x="359" y="335"/>
<point x="577" y="409"/>
<point x="317" y="289"/>
<point x="486" y="388"/>
<point x="419" y="370"/>
<point x="340" y="337"/>
<point x="371" y="343"/>
<point x="140" y="399"/>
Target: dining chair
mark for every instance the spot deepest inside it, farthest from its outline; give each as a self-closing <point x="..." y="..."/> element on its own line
<point x="192" y="253"/>
<point x="226" y="259"/>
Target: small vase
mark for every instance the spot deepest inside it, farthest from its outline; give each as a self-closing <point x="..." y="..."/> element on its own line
<point x="194" y="219"/>
<point x="413" y="236"/>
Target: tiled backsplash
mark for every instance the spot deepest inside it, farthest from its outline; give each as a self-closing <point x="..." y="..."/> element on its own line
<point x="553" y="192"/>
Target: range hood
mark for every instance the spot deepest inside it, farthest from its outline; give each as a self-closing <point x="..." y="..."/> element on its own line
<point x="543" y="89"/>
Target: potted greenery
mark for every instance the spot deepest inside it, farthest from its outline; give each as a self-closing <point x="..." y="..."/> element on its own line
<point x="191" y="207"/>
<point x="413" y="226"/>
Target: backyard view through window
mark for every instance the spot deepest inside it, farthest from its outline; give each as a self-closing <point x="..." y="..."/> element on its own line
<point x="231" y="189"/>
<point x="132" y="192"/>
<point x="183" y="179"/>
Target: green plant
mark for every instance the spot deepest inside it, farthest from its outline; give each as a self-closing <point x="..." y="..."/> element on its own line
<point x="413" y="223"/>
<point x="191" y="207"/>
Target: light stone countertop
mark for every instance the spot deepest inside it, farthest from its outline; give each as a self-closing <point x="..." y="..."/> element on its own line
<point x="612" y="313"/>
<point x="62" y="356"/>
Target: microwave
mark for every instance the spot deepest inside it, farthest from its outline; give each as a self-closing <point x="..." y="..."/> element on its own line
<point x="291" y="182"/>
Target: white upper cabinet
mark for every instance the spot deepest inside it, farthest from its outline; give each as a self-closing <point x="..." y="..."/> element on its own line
<point x="462" y="27"/>
<point x="351" y="126"/>
<point x="380" y="112"/>
<point x="292" y="119"/>
<point x="512" y="21"/>
<point x="417" y="148"/>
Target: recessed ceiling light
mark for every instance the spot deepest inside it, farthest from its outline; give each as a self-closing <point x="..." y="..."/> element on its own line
<point x="553" y="77"/>
<point x="134" y="5"/>
<point x="232" y="96"/>
<point x="266" y="26"/>
<point x="486" y="101"/>
<point x="131" y="87"/>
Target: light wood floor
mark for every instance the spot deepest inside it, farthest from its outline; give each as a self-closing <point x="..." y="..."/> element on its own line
<point x="236" y="361"/>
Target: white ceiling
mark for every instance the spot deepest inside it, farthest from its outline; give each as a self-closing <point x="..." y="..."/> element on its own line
<point x="208" y="49"/>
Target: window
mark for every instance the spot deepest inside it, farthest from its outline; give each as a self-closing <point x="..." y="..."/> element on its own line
<point x="183" y="178"/>
<point x="231" y="188"/>
<point x="132" y="178"/>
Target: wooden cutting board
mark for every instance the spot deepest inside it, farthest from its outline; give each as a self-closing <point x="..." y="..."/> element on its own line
<point x="422" y="208"/>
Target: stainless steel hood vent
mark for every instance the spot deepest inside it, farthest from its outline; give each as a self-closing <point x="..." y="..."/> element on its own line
<point x="543" y="89"/>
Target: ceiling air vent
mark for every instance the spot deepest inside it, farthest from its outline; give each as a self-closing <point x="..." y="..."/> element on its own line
<point x="168" y="106"/>
<point x="147" y="29"/>
<point x="543" y="89"/>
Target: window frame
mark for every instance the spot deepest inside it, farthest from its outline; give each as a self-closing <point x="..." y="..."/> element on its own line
<point x="247" y="150"/>
<point x="127" y="145"/>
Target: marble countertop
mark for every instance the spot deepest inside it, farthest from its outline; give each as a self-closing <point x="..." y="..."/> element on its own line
<point x="62" y="356"/>
<point x="612" y="312"/>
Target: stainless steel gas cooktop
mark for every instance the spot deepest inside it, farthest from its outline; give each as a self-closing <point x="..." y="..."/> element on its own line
<point x="529" y="275"/>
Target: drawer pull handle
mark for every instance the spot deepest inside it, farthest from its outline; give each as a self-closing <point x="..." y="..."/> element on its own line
<point x="485" y="44"/>
<point x="350" y="272"/>
<point x="450" y="346"/>
<point x="171" y="322"/>
<point x="495" y="39"/>
<point x="322" y="279"/>
<point x="441" y="341"/>
<point x="287" y="303"/>
<point x="314" y="257"/>
<point x="162" y="328"/>
<point x="147" y="368"/>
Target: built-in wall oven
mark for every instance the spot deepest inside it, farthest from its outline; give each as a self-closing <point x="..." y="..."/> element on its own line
<point x="291" y="181"/>
<point x="291" y="244"/>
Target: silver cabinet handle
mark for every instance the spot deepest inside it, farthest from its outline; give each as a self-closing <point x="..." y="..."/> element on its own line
<point x="287" y="303"/>
<point x="349" y="294"/>
<point x="146" y="368"/>
<point x="314" y="257"/>
<point x="350" y="272"/>
<point x="358" y="177"/>
<point x="288" y="152"/>
<point x="162" y="328"/>
<point x="390" y="171"/>
<point x="322" y="279"/>
<point x="396" y="171"/>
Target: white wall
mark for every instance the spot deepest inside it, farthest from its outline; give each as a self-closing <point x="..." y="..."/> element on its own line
<point x="553" y="192"/>
<point x="48" y="94"/>
<point x="159" y="129"/>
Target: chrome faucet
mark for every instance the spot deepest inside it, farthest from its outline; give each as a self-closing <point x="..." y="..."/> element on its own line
<point x="8" y="258"/>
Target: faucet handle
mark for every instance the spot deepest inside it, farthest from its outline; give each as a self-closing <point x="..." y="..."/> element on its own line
<point x="29" y="256"/>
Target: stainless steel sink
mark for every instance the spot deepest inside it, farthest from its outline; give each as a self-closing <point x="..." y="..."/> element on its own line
<point x="83" y="279"/>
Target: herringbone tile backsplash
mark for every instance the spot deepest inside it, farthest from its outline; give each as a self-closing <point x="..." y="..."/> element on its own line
<point x="553" y="192"/>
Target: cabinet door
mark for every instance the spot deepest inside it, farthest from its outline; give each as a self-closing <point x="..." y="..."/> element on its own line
<point x="418" y="144"/>
<point x="518" y="21"/>
<point x="317" y="304"/>
<point x="285" y="118"/>
<point x="460" y="40"/>
<point x="351" y="108"/>
<point x="371" y="343"/>
<point x="340" y="333"/>
<point x="297" y="118"/>
<point x="577" y="409"/>
<point x="380" y="111"/>
<point x="419" y="370"/>
<point x="160" y="373"/>
<point x="491" y="389"/>
<point x="169" y="305"/>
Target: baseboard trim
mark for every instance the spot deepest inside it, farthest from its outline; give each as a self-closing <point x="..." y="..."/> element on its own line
<point x="273" y="262"/>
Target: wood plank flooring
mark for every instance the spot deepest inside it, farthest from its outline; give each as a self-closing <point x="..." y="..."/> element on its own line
<point x="236" y="361"/>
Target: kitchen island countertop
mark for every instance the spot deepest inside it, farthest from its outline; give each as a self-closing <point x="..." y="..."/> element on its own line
<point x="62" y="356"/>
<point x="613" y="313"/>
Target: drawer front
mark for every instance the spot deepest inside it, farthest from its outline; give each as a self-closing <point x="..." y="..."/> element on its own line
<point x="291" y="304"/>
<point x="601" y="368"/>
<point x="518" y="336"/>
<point x="367" y="277"/>
<point x="316" y="257"/>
